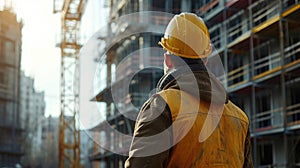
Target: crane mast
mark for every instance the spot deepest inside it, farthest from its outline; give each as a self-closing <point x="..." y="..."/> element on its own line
<point x="69" y="132"/>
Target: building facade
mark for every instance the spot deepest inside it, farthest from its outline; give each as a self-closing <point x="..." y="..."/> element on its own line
<point x="50" y="132"/>
<point x="32" y="111"/>
<point x="258" y="42"/>
<point x="85" y="145"/>
<point x="10" y="57"/>
<point x="136" y="61"/>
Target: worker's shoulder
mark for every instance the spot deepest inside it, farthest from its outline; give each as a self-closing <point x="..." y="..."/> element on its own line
<point x="153" y="101"/>
<point x="176" y="97"/>
<point x="179" y="101"/>
<point x="235" y="111"/>
<point x="168" y="94"/>
<point x="173" y="95"/>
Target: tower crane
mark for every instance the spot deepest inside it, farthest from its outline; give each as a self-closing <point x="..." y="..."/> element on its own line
<point x="69" y="132"/>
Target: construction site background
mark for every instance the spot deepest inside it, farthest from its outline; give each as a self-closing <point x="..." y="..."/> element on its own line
<point x="258" y="42"/>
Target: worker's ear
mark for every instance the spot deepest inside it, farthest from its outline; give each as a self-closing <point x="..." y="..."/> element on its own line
<point x="168" y="61"/>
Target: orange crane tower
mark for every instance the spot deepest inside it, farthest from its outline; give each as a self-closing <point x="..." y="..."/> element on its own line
<point x="69" y="133"/>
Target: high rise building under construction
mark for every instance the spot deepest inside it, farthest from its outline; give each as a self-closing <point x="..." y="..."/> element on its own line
<point x="258" y="42"/>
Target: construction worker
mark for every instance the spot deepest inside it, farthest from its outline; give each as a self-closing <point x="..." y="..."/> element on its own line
<point x="189" y="122"/>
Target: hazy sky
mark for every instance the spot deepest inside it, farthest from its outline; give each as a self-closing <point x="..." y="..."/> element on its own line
<point x="40" y="56"/>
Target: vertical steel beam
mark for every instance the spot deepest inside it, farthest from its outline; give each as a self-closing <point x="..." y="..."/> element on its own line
<point x="282" y="81"/>
<point x="69" y="131"/>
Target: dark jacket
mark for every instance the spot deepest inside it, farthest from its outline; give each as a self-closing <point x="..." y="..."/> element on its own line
<point x="168" y="130"/>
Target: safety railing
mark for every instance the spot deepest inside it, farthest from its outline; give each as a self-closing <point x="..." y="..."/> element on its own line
<point x="267" y="60"/>
<point x="267" y="120"/>
<point x="289" y="3"/>
<point x="131" y="65"/>
<point x="238" y="75"/>
<point x="261" y="65"/>
<point x="215" y="35"/>
<point x="116" y="142"/>
<point x="293" y="114"/>
<point x="292" y="53"/>
<point x="122" y="101"/>
<point x="236" y="26"/>
<point x="266" y="63"/>
<point x="263" y="10"/>
<point x="131" y="102"/>
<point x="209" y="6"/>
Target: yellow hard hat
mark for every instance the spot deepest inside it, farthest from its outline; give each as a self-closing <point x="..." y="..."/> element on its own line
<point x="187" y="36"/>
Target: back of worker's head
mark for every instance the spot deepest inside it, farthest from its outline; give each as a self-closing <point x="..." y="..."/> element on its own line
<point x="178" y="61"/>
<point x="187" y="43"/>
<point x="187" y="36"/>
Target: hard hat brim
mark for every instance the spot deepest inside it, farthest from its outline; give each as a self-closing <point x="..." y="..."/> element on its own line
<point x="176" y="51"/>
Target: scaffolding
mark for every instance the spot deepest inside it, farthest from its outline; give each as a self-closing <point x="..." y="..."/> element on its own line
<point x="119" y="114"/>
<point x="259" y="44"/>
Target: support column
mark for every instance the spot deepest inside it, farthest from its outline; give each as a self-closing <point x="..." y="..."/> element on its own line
<point x="282" y="81"/>
<point x="254" y="145"/>
<point x="224" y="28"/>
<point x="169" y="5"/>
<point x="186" y="6"/>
